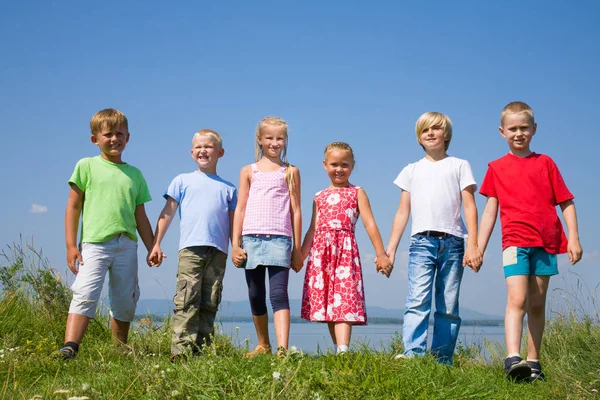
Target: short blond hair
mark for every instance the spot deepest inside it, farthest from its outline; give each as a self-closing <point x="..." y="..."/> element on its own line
<point x="210" y="133"/>
<point x="517" y="107"/>
<point x="109" y="118"/>
<point x="339" y="146"/>
<point x="433" y="118"/>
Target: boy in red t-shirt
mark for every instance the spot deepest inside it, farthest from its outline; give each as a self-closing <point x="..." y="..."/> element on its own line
<point x="527" y="186"/>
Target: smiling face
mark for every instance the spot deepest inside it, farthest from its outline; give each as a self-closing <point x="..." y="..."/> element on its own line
<point x="339" y="165"/>
<point x="206" y="151"/>
<point x="518" y="130"/>
<point x="112" y="142"/>
<point x="272" y="141"/>
<point x="433" y="138"/>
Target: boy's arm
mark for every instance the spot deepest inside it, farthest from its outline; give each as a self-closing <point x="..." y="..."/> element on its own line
<point x="399" y="225"/>
<point x="296" y="210"/>
<point x="570" y="215"/>
<point x="472" y="254"/>
<point x="144" y="227"/>
<point x="488" y="220"/>
<point x="382" y="262"/>
<point x="238" y="255"/>
<point x="162" y="225"/>
<point x="310" y="233"/>
<point x="72" y="213"/>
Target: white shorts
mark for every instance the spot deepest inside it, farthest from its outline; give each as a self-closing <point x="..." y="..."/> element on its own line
<point x="118" y="257"/>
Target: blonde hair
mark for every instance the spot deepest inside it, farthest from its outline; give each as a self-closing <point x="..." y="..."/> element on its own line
<point x="258" y="150"/>
<point x="517" y="107"/>
<point x="338" y="146"/>
<point x="109" y="118"/>
<point x="433" y="118"/>
<point x="210" y="133"/>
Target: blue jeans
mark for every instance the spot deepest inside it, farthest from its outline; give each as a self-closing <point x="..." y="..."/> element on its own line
<point x="429" y="258"/>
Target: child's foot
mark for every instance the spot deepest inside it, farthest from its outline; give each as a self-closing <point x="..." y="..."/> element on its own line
<point x="517" y="369"/>
<point x="536" y="371"/>
<point x="260" y="349"/>
<point x="65" y="353"/>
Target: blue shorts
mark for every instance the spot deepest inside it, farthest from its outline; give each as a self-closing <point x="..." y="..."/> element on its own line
<point x="528" y="261"/>
<point x="267" y="250"/>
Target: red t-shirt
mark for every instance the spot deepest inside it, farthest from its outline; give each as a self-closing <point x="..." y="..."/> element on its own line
<point x="528" y="190"/>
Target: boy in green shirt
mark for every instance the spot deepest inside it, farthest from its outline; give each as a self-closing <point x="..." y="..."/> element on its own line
<point x="110" y="194"/>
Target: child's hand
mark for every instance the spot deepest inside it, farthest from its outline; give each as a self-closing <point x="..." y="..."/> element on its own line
<point x="73" y="258"/>
<point x="391" y="255"/>
<point x="384" y="265"/>
<point x="473" y="258"/>
<point x="574" y="251"/>
<point x="155" y="257"/>
<point x="238" y="256"/>
<point x="297" y="260"/>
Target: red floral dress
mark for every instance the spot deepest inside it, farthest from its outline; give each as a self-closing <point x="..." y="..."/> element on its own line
<point x="333" y="284"/>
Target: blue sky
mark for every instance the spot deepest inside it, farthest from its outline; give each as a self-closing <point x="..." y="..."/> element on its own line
<point x="336" y="71"/>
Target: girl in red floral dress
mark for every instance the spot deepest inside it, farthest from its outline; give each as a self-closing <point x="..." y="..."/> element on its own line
<point x="333" y="285"/>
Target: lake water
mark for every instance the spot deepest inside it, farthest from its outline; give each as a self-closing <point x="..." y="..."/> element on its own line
<point x="314" y="337"/>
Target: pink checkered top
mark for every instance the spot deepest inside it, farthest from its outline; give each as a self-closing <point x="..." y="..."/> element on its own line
<point x="268" y="206"/>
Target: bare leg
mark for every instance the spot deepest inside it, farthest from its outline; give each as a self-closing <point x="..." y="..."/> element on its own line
<point x="515" y="311"/>
<point x="76" y="326"/>
<point x="120" y="330"/>
<point x="343" y="331"/>
<point x="261" y="324"/>
<point x="331" y="327"/>
<point x="536" y="314"/>
<point x="281" y="320"/>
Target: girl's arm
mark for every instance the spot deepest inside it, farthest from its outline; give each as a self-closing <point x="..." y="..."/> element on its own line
<point x="382" y="261"/>
<point x="488" y="220"/>
<point x="472" y="254"/>
<point x="238" y="255"/>
<point x="570" y="215"/>
<point x="399" y="225"/>
<point x="72" y="213"/>
<point x="296" y="211"/>
<point x="162" y="225"/>
<point x="310" y="233"/>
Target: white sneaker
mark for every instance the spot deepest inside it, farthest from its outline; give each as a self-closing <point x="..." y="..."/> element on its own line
<point x="401" y="356"/>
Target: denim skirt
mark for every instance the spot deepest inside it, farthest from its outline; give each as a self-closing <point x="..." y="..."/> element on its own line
<point x="267" y="250"/>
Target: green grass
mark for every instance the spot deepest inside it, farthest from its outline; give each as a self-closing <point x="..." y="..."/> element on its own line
<point x="33" y="307"/>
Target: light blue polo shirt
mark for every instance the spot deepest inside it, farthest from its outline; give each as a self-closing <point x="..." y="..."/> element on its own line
<point x="205" y="201"/>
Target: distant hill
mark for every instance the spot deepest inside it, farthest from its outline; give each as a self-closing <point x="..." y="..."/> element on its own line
<point x="162" y="308"/>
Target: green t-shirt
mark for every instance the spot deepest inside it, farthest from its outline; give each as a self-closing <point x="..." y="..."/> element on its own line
<point x="111" y="194"/>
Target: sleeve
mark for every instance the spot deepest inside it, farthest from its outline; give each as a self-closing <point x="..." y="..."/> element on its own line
<point x="143" y="192"/>
<point x="175" y="190"/>
<point x="466" y="177"/>
<point x="488" y="186"/>
<point x="233" y="199"/>
<point x="404" y="178"/>
<point x="559" y="187"/>
<point x="81" y="174"/>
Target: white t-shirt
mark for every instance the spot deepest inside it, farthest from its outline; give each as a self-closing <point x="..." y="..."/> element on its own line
<point x="435" y="194"/>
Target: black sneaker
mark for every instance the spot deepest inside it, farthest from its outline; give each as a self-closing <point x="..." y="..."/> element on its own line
<point x="517" y="369"/>
<point x="65" y="353"/>
<point x="536" y="371"/>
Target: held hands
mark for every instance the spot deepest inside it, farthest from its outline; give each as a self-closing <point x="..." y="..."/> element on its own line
<point x="74" y="258"/>
<point x="574" y="251"/>
<point x="155" y="257"/>
<point x="383" y="264"/>
<point x="297" y="260"/>
<point x="473" y="258"/>
<point x="238" y="256"/>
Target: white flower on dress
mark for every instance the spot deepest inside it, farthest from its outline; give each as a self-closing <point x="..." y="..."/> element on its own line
<point x="342" y="272"/>
<point x="319" y="282"/>
<point x="333" y="198"/>
<point x="327" y="239"/>
<point x="316" y="259"/>
<point x="359" y="286"/>
<point x="319" y="315"/>
<point x="347" y="243"/>
<point x="311" y="281"/>
<point x="329" y="311"/>
<point x="351" y="213"/>
<point x="350" y="317"/>
<point x="328" y="269"/>
<point x="337" y="300"/>
<point x="357" y="261"/>
<point x="335" y="224"/>
<point x="333" y="250"/>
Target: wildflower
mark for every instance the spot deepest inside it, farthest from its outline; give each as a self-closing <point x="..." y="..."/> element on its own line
<point x="276" y="375"/>
<point x="85" y="386"/>
<point x="175" y="393"/>
<point x="156" y="366"/>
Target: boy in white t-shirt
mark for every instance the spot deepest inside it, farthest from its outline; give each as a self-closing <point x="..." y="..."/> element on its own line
<point x="433" y="189"/>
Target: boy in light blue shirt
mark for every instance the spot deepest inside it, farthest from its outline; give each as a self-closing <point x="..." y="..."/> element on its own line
<point x="206" y="204"/>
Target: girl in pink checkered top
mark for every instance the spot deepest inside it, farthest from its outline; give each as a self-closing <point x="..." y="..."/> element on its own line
<point x="267" y="229"/>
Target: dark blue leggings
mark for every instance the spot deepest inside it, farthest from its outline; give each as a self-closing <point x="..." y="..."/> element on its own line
<point x="278" y="288"/>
